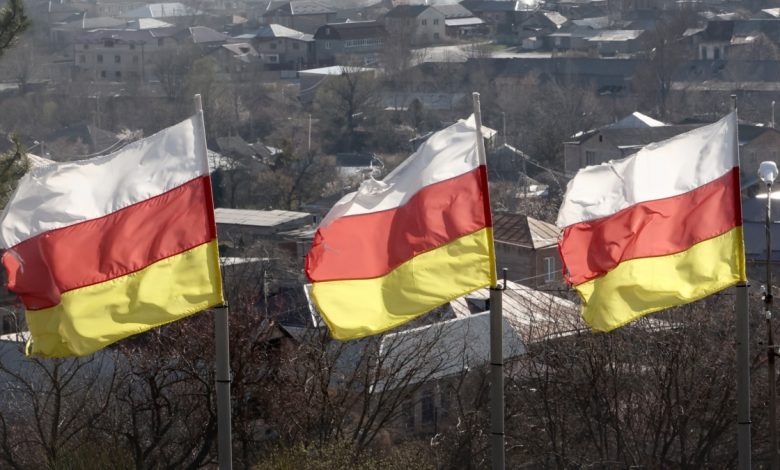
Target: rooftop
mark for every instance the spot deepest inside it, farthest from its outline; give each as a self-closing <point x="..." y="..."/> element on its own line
<point x="258" y="218"/>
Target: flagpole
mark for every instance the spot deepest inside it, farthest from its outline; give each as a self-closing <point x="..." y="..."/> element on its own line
<point x="222" y="352"/>
<point x="496" y="327"/>
<point x="743" y="354"/>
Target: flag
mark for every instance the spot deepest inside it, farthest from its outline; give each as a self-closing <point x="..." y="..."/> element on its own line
<point x="399" y="247"/>
<point x="105" y="248"/>
<point x="657" y="229"/>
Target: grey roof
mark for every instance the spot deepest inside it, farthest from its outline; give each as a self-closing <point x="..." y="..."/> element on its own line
<point x="300" y="7"/>
<point x="123" y="35"/>
<point x="85" y="24"/>
<point x="615" y="35"/>
<point x="635" y="120"/>
<point x="235" y="146"/>
<point x="639" y="137"/>
<point x="204" y="35"/>
<point x="598" y="22"/>
<point x="242" y="51"/>
<point x="257" y="218"/>
<point x="444" y="349"/>
<point x="555" y="17"/>
<point x="523" y="230"/>
<point x="456" y="22"/>
<point x="272" y="31"/>
<point x="406" y="11"/>
<point x="148" y="23"/>
<point x="533" y="314"/>
<point x="161" y="10"/>
<point x="453" y="11"/>
<point x="335" y="70"/>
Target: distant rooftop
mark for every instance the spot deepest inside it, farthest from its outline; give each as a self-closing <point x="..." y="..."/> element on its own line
<point x="271" y="31"/>
<point x="258" y="218"/>
<point x="161" y="10"/>
<point x="335" y="70"/>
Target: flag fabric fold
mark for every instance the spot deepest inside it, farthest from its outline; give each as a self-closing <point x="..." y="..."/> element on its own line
<point x="657" y="229"/>
<point x="105" y="248"/>
<point x="399" y="247"/>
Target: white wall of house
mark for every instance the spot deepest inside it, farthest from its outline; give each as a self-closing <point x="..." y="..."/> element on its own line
<point x="430" y="27"/>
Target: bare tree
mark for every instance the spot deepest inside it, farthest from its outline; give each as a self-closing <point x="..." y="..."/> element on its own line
<point x="658" y="393"/>
<point x="341" y="105"/>
<point x="51" y="408"/>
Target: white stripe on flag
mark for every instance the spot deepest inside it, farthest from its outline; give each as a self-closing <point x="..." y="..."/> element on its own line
<point x="665" y="169"/>
<point x="63" y="194"/>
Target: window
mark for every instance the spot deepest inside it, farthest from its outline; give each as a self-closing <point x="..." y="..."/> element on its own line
<point x="444" y="401"/>
<point x="590" y="157"/>
<point x="428" y="408"/>
<point x="117" y="59"/>
<point x="100" y="58"/>
<point x="273" y="58"/>
<point x="716" y="54"/>
<point x="118" y="74"/>
<point x="549" y="269"/>
<point x="108" y="43"/>
<point x="102" y="74"/>
<point x="327" y="44"/>
<point x="409" y="414"/>
<point x="424" y="22"/>
<point x="272" y="45"/>
<point x="436" y="21"/>
<point x="86" y="46"/>
<point x="435" y="35"/>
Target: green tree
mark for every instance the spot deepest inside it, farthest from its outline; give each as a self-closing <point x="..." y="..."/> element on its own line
<point x="13" y="21"/>
<point x="13" y="165"/>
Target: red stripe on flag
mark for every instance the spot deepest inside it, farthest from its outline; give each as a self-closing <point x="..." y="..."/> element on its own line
<point x="370" y="245"/>
<point x="41" y="268"/>
<point x="654" y="228"/>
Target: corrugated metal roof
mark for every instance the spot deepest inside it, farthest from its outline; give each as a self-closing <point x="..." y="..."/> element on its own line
<point x="453" y="11"/>
<point x="278" y="31"/>
<point x="445" y="348"/>
<point x="615" y="35"/>
<point x="161" y="10"/>
<point x="463" y="22"/>
<point x="257" y="218"/>
<point x="533" y="314"/>
<point x="522" y="230"/>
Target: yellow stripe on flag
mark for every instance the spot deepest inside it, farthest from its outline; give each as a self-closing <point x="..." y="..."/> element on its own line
<point x="645" y="285"/>
<point x="363" y="307"/>
<point x="162" y="292"/>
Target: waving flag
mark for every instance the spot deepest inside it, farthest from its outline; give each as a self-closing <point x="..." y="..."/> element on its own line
<point x="105" y="248"/>
<point x="658" y="229"/>
<point x="400" y="247"/>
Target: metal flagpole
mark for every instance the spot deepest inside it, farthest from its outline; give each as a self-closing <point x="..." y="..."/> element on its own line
<point x="743" y="359"/>
<point x="496" y="330"/>
<point x="224" y="437"/>
<point x="222" y="352"/>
